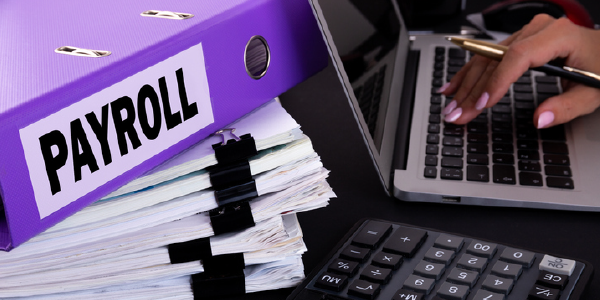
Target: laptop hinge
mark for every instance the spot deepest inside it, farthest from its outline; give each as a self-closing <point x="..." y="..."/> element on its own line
<point x="406" y="111"/>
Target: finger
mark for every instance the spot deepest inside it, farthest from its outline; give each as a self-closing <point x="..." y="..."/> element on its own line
<point x="578" y="101"/>
<point x="471" y="76"/>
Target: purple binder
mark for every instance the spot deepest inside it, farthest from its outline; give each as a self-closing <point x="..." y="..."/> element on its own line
<point x="93" y="94"/>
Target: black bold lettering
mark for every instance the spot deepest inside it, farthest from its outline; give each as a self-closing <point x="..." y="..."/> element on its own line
<point x="189" y="110"/>
<point x="53" y="163"/>
<point x="172" y="119"/>
<point x="101" y="131"/>
<point x="125" y="126"/>
<point x="86" y="156"/>
<point x="147" y="92"/>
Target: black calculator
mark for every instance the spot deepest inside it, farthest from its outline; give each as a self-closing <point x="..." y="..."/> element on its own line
<point x="391" y="261"/>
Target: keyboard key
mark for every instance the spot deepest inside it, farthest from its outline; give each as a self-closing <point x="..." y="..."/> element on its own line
<point x="451" y="173"/>
<point x="453" y="291"/>
<point x="405" y="241"/>
<point x="387" y="260"/>
<point x="430" y="172"/>
<point x="528" y="154"/>
<point x="554" y="133"/>
<point x="429" y="269"/>
<point x="452" y="162"/>
<point x="464" y="277"/>
<point x="431" y="160"/>
<point x="504" y="174"/>
<point x="543" y="293"/>
<point x="433" y="139"/>
<point x="501" y="109"/>
<point x="523" y="97"/>
<point x="438" y="255"/>
<point x="518" y="256"/>
<point x="557" y="265"/>
<point x="477" y="128"/>
<point x="433" y="128"/>
<point x="454" y="130"/>
<point x="363" y="289"/>
<point x="532" y="166"/>
<point x="530" y="179"/>
<point x="547" y="89"/>
<point x="502" y="137"/>
<point x="508" y="270"/>
<point x="502" y="117"/>
<point x="555" y="148"/>
<point x="452" y="141"/>
<point x="372" y="234"/>
<point x="435" y="99"/>
<point x="478" y="173"/>
<point x="435" y="119"/>
<point x="477" y="148"/>
<point x="560" y="182"/>
<point x="355" y="253"/>
<point x="483" y="249"/>
<point x="498" y="284"/>
<point x="477" y="159"/>
<point x="558" y="171"/>
<point x="522" y="88"/>
<point x="524" y="106"/>
<point x="457" y="53"/>
<point x="344" y="267"/>
<point x="502" y="127"/>
<point x="486" y="295"/>
<point x="527" y="144"/>
<point x="477" y="138"/>
<point x="500" y="158"/>
<point x="556" y="159"/>
<point x="470" y="262"/>
<point x="376" y="274"/>
<point x="447" y="241"/>
<point x="452" y="151"/>
<point x="419" y="284"/>
<point x="330" y="281"/>
<point x="553" y="280"/>
<point x="435" y="109"/>
<point x="502" y="148"/>
<point x="432" y="149"/>
<point x="527" y="134"/>
<point x="404" y="294"/>
<point x="545" y="79"/>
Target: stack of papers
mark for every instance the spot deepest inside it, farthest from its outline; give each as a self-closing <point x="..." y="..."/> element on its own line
<point x="119" y="246"/>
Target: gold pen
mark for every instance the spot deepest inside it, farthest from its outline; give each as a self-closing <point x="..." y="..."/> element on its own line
<point x="496" y="52"/>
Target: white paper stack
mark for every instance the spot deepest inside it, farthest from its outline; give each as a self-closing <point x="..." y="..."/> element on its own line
<point x="119" y="246"/>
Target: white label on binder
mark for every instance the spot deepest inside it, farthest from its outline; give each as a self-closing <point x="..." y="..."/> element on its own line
<point x="83" y="146"/>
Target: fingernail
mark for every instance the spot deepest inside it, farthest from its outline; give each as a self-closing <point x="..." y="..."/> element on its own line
<point x="451" y="106"/>
<point x="545" y="119"/>
<point x="454" y="115"/>
<point x="482" y="101"/>
<point x="443" y="87"/>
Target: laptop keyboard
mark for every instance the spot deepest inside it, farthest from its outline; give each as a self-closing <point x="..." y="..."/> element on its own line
<point x="390" y="261"/>
<point x="369" y="98"/>
<point x="502" y="144"/>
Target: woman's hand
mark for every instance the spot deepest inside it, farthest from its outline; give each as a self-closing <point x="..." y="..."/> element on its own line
<point x="482" y="82"/>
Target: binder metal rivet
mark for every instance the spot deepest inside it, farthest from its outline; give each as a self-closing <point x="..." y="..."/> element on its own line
<point x="76" y="51"/>
<point x="257" y="57"/>
<point x="166" y="14"/>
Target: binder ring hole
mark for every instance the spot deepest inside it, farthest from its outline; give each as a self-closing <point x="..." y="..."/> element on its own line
<point x="257" y="57"/>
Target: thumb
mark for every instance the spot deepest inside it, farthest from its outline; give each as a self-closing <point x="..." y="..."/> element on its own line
<point x="577" y="101"/>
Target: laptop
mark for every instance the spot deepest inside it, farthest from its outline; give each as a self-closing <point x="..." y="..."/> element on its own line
<point x="498" y="159"/>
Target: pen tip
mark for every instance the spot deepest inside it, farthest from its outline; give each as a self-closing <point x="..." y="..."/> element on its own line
<point x="449" y="38"/>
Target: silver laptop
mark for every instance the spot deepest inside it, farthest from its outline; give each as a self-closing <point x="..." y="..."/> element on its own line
<point x="499" y="159"/>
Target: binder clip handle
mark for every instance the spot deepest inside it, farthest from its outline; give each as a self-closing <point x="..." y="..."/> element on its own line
<point x="231" y="132"/>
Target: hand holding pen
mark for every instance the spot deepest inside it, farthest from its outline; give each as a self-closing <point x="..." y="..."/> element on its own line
<point x="483" y="81"/>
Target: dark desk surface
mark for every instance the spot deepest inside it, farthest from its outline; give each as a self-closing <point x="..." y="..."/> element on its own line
<point x="320" y="107"/>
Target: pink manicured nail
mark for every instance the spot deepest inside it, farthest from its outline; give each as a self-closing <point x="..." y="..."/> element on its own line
<point x="482" y="101"/>
<point x="545" y="119"/>
<point x="454" y="115"/>
<point x="443" y="87"/>
<point x="451" y="106"/>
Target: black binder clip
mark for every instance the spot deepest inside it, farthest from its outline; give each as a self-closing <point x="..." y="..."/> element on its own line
<point x="231" y="217"/>
<point x="193" y="250"/>
<point x="223" y="276"/>
<point x="234" y="149"/>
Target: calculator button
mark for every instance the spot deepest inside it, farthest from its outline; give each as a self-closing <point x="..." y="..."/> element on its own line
<point x="387" y="260"/>
<point x="355" y="253"/>
<point x="419" y="284"/>
<point x="376" y="274"/>
<point x="498" y="284"/>
<point x="363" y="289"/>
<point x="429" y="269"/>
<point x="464" y="277"/>
<point x="405" y="241"/>
<point x="486" y="295"/>
<point x="471" y="262"/>
<point x="524" y="258"/>
<point x="482" y="249"/>
<point x="371" y="234"/>
<point x="453" y="291"/>
<point x="439" y="255"/>
<point x="538" y="292"/>
<point x="342" y="266"/>
<point x="331" y="281"/>
<point x="404" y="294"/>
<point x="507" y="270"/>
<point x="449" y="242"/>
<point x="557" y="265"/>
<point x="552" y="280"/>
